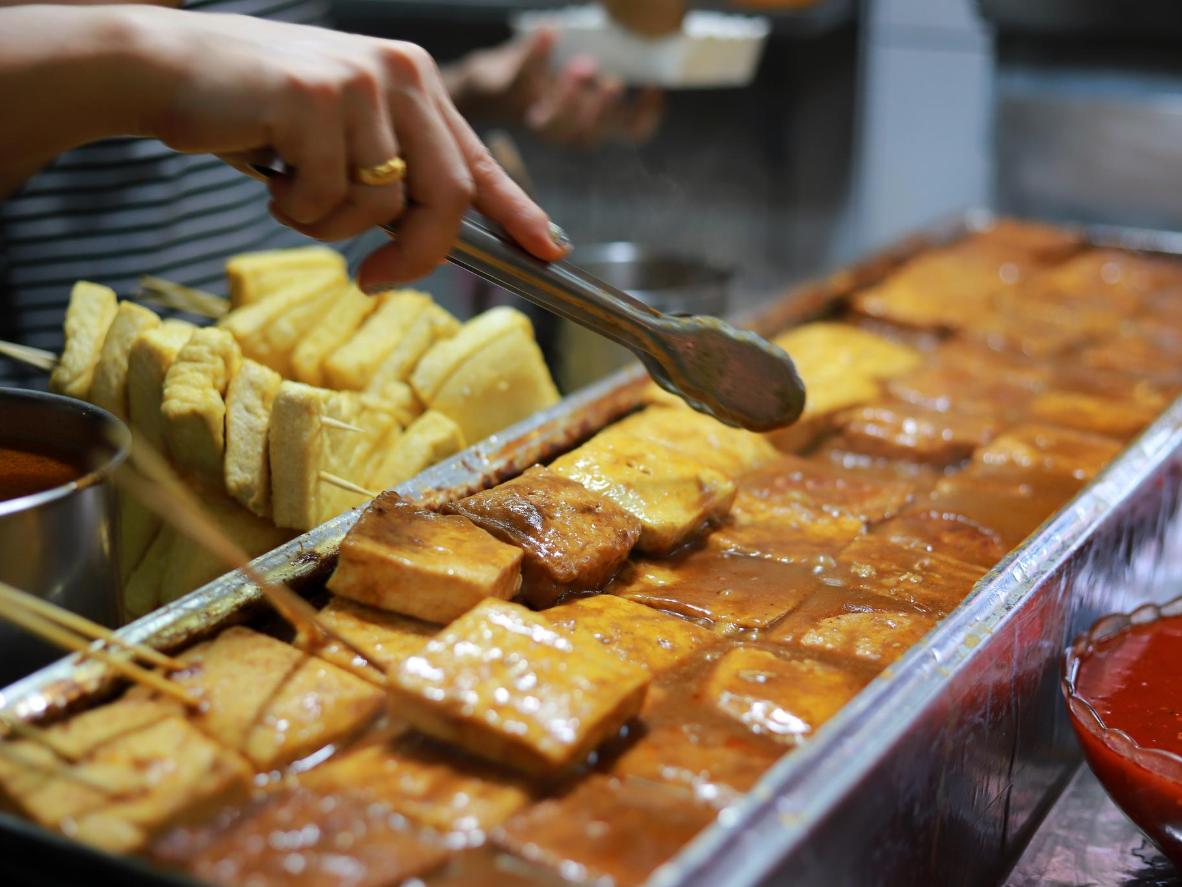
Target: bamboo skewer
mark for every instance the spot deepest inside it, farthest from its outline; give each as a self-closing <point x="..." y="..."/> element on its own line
<point x="12" y="597"/>
<point x="38" y="358"/>
<point x="183" y="298"/>
<point x="341" y="426"/>
<point x="346" y="484"/>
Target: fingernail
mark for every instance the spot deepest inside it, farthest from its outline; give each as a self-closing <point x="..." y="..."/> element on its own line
<point x="374" y="289"/>
<point x="559" y="236"/>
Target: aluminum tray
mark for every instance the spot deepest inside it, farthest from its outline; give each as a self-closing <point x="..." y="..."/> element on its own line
<point x="940" y="770"/>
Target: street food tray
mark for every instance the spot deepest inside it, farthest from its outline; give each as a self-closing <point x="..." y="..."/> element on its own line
<point x="938" y="772"/>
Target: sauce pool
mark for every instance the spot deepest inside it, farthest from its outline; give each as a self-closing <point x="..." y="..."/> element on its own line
<point x="25" y="472"/>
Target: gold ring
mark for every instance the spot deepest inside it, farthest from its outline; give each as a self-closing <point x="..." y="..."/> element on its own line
<point x="388" y="173"/>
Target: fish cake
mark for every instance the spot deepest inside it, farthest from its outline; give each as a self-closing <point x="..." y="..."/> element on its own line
<point x="385" y="638"/>
<point x="507" y="685"/>
<point x="791" y="481"/>
<point x="572" y="539"/>
<point x="434" y="567"/>
<point x="896" y="430"/>
<point x="1046" y="449"/>
<point x="930" y="582"/>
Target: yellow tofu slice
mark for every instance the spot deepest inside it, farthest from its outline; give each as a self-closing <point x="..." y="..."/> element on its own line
<point x="349" y="454"/>
<point x="255" y="276"/>
<point x="429" y="439"/>
<point x="400" y="399"/>
<point x="385" y="638"/>
<point x="270" y="330"/>
<point x="137" y="528"/>
<point x="152" y="353"/>
<point x="419" y="563"/>
<point x="109" y="386"/>
<point x="447" y="356"/>
<point x="296" y="444"/>
<point x="433" y="325"/>
<point x="346" y="313"/>
<point x="194" y="407"/>
<point x="503" y="683"/>
<point x="730" y="451"/>
<point x="672" y="496"/>
<point x="353" y="364"/>
<point x="247" y="468"/>
<point x="141" y="592"/>
<point x="89" y="315"/>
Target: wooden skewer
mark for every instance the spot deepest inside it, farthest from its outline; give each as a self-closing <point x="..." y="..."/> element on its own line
<point x="38" y="736"/>
<point x="34" y="357"/>
<point x="346" y="484"/>
<point x="81" y="625"/>
<point x="342" y="426"/>
<point x="61" y="637"/>
<point x="183" y="298"/>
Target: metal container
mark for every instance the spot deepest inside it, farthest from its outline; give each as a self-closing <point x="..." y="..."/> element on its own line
<point x="671" y="283"/>
<point x="940" y="770"/>
<point x="59" y="543"/>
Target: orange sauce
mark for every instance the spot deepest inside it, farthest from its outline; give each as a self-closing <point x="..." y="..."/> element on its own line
<point x="24" y="472"/>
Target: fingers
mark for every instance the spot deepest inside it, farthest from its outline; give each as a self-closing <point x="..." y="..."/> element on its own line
<point x="643" y="118"/>
<point x="310" y="139"/>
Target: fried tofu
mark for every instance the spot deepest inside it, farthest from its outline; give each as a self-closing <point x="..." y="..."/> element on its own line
<point x="897" y="430"/>
<point x="148" y="361"/>
<point x="350" y="453"/>
<point x="295" y="447"/>
<point x="253" y="277"/>
<point x="607" y="830"/>
<point x="791" y="533"/>
<point x="572" y="539"/>
<point x="89" y="315"/>
<point x="109" y="386"/>
<point x="1117" y="419"/>
<point x="959" y="388"/>
<point x="729" y="451"/>
<point x="503" y="683"/>
<point x="429" y="439"/>
<point x="1047" y="449"/>
<point x="671" y="495"/>
<point x="353" y="364"/>
<point x="194" y="407"/>
<point x="347" y="312"/>
<point x="731" y="591"/>
<point x="929" y="582"/>
<point x="385" y="638"/>
<point x="784" y="699"/>
<point x="637" y="634"/>
<point x="271" y="702"/>
<point x="928" y="528"/>
<point x="431" y="566"/>
<point x="141" y="589"/>
<point x="249" y="399"/>
<point x="433" y="324"/>
<point x="451" y="353"/>
<point x="137" y="527"/>
<point x="877" y="637"/>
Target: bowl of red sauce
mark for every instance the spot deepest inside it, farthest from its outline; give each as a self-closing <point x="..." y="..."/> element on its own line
<point x="1123" y="684"/>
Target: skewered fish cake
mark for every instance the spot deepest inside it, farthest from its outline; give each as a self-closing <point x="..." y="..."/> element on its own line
<point x="89" y="315"/>
<point x="109" y="386"/>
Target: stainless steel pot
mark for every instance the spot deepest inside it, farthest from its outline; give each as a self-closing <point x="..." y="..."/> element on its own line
<point x="669" y="282"/>
<point x="59" y="544"/>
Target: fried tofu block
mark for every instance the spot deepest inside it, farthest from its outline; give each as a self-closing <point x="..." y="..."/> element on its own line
<point x="784" y="699"/>
<point x="247" y="470"/>
<point x="194" y="407"/>
<point x="253" y="277"/>
<point x="1044" y="448"/>
<point x="503" y="683"/>
<point x="731" y="591"/>
<point x="607" y="830"/>
<point x="897" y="430"/>
<point x="138" y="526"/>
<point x="877" y="637"/>
<point x="792" y="533"/>
<point x="930" y="582"/>
<point x="295" y="448"/>
<point x="429" y="784"/>
<point x="637" y="634"/>
<point x="148" y="361"/>
<point x="572" y="539"/>
<point x="350" y="454"/>
<point x="271" y="702"/>
<point x="930" y="529"/>
<point x="1117" y="419"/>
<point x="433" y="324"/>
<point x="348" y="311"/>
<point x="946" y="387"/>
<point x="89" y="315"/>
<point x="1038" y="241"/>
<point x="385" y="638"/>
<point x="431" y="566"/>
<point x="1136" y="354"/>
<point x="671" y="495"/>
<point x="429" y="439"/>
<point x="109" y="387"/>
<point x="141" y="590"/>
<point x="729" y="451"/>
<point x="353" y="364"/>
<point x="451" y="353"/>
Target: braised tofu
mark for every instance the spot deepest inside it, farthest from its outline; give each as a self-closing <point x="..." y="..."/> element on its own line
<point x="430" y="566"/>
<point x="637" y="634"/>
<point x="672" y="496"/>
<point x="784" y="699"/>
<point x="573" y="539"/>
<point x="906" y="431"/>
<point x="385" y="638"/>
<point x="948" y="387"/>
<point x="272" y="702"/>
<point x="606" y="830"/>
<point x="930" y="582"/>
<point x="505" y="684"/>
<point x="1047" y="449"/>
<point x="794" y="533"/>
<point x="729" y="451"/>
<point x="877" y="637"/>
<point x="1010" y="504"/>
<point x="731" y="591"/>
<point x="1137" y="354"/>
<point x="1030" y="239"/>
<point x="89" y="316"/>
<point x="928" y="528"/>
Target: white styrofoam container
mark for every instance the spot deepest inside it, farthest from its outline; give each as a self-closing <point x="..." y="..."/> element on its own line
<point x="711" y="50"/>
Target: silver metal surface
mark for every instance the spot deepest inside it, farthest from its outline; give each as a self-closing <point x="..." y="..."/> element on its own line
<point x="58" y="544"/>
<point x="942" y="768"/>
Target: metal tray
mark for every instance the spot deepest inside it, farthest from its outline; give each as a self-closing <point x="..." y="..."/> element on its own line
<point x="940" y="770"/>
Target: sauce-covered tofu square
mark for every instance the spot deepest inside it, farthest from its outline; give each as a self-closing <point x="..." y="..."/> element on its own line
<point x="385" y="638"/>
<point x="843" y="625"/>
<point x="422" y="564"/>
<point x="1045" y="448"/>
<point x="930" y="582"/>
<point x="898" y="430"/>
<point x="791" y="481"/>
<point x="505" y="684"/>
<point x="573" y="539"/>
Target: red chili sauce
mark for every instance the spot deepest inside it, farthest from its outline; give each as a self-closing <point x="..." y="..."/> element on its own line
<point x="24" y="472"/>
<point x="1133" y="680"/>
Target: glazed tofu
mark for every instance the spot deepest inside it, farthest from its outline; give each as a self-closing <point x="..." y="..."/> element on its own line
<point x="347" y="312"/>
<point x="877" y="637"/>
<point x="927" y="528"/>
<point x="431" y="566"/>
<point x="784" y="699"/>
<point x="1044" y="242"/>
<point x="1114" y="278"/>
<point x="253" y="277"/>
<point x="109" y="386"/>
<point x="730" y="591"/>
<point x="353" y="364"/>
<point x="637" y="634"/>
<point x="1047" y="449"/>
<point x="929" y="582"/>
<point x="247" y="471"/>
<point x="1137" y="354"/>
<point x="671" y="495"/>
<point x="271" y="702"/>
<point x="194" y="406"/>
<point x="151" y="355"/>
<point x="951" y="387"/>
<point x="607" y="830"/>
<point x="386" y="639"/>
<point x="505" y="684"/>
<point x="794" y="533"/>
<point x="427" y="783"/>
<point x="897" y="430"/>
<point x="729" y="451"/>
<point x="429" y="439"/>
<point x="89" y="315"/>
<point x="792" y="481"/>
<point x="572" y="539"/>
